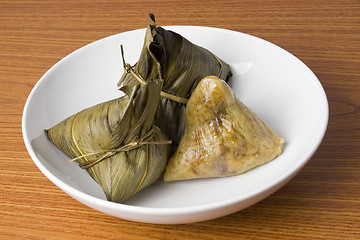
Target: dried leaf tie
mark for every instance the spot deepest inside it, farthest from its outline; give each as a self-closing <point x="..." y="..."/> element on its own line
<point x="145" y="140"/>
<point x="129" y="69"/>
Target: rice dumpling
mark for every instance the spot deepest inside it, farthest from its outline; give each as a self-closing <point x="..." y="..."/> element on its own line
<point x="222" y="136"/>
<point x="117" y="142"/>
<point x="181" y="64"/>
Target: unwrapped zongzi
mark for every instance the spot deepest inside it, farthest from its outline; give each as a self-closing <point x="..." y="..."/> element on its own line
<point x="222" y="136"/>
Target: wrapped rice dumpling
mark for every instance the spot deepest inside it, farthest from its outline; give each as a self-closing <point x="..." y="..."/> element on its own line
<point x="222" y="136"/>
<point x="182" y="65"/>
<point x="117" y="142"/>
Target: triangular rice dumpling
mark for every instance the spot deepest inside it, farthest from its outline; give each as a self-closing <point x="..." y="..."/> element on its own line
<point x="182" y="66"/>
<point x="222" y="136"/>
<point x="117" y="142"/>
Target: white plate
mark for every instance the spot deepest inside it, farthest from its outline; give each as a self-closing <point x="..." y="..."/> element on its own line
<point x="268" y="79"/>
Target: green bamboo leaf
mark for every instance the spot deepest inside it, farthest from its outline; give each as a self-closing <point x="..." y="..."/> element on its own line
<point x="117" y="143"/>
<point x="181" y="64"/>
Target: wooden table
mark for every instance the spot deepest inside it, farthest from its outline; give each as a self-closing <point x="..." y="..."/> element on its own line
<point x="321" y="202"/>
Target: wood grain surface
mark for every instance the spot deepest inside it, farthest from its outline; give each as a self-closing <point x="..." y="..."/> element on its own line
<point x="321" y="202"/>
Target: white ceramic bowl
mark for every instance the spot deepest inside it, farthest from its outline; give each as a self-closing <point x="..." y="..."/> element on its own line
<point x="268" y="79"/>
